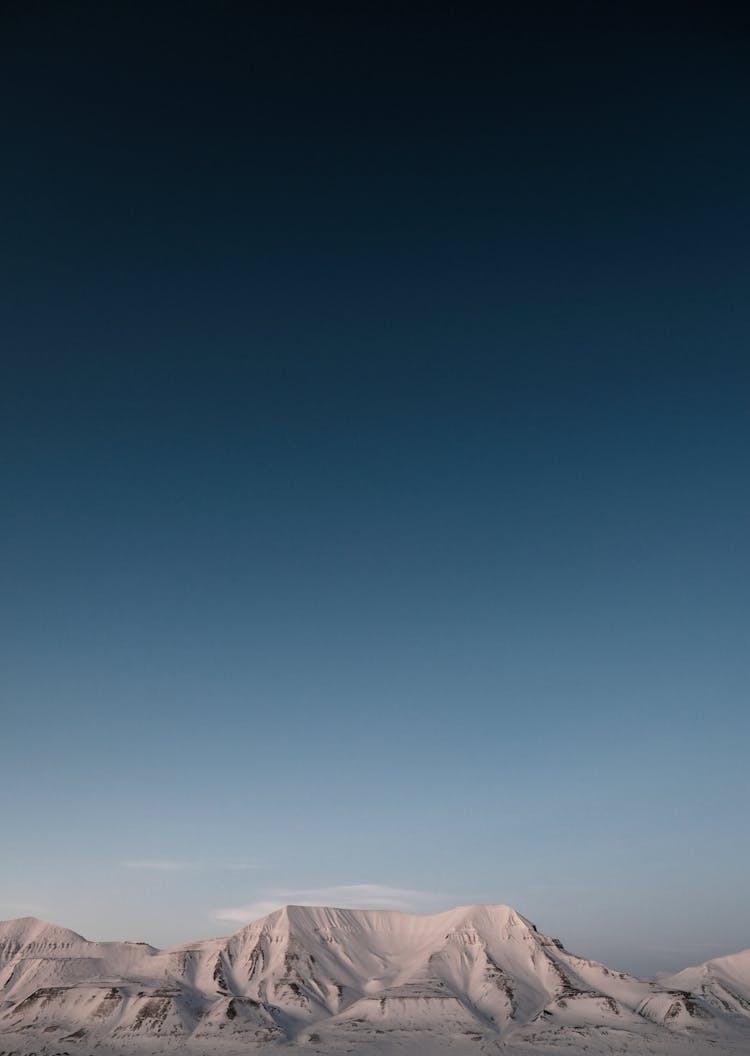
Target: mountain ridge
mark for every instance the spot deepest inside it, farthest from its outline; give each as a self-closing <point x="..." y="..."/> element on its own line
<point x="325" y="979"/>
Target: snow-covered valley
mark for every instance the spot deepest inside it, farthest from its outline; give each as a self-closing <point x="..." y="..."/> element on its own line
<point x="475" y="979"/>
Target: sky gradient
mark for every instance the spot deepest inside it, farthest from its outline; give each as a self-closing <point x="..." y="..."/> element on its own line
<point x="374" y="431"/>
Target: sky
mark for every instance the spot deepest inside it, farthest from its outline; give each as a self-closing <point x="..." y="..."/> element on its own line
<point x="374" y="445"/>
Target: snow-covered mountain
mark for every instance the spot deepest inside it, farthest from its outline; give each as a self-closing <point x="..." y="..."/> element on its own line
<point x="318" y="980"/>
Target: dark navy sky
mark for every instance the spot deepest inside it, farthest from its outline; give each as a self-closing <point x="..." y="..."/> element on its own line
<point x="374" y="432"/>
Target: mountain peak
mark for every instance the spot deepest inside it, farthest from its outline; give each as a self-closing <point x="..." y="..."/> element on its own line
<point x="336" y="977"/>
<point x="32" y="929"/>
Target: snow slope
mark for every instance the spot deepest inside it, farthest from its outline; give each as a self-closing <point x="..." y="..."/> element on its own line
<point x="473" y="979"/>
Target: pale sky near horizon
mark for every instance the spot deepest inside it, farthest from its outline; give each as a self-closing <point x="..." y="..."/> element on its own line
<point x="374" y="446"/>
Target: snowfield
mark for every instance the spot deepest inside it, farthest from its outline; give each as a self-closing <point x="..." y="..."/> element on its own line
<point x="476" y="979"/>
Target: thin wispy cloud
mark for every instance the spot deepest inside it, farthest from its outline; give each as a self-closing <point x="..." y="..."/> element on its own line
<point x="162" y="865"/>
<point x="693" y="947"/>
<point x="343" y="896"/>
<point x="20" y="908"/>
<point x="173" y="865"/>
<point x="570" y="888"/>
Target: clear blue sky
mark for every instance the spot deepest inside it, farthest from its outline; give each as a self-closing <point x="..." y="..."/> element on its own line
<point x="374" y="432"/>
